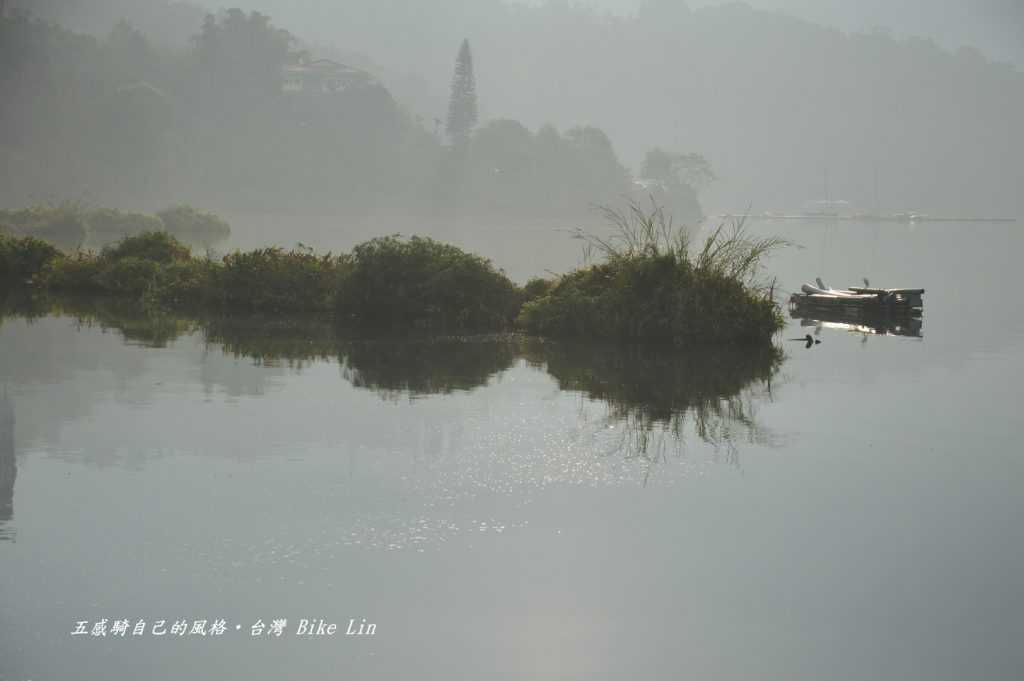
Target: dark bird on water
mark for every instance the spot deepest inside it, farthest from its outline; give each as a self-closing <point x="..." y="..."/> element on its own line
<point x="808" y="339"/>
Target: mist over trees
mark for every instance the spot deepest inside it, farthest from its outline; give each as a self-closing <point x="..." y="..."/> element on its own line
<point x="250" y="119"/>
<point x="774" y="104"/>
<point x="165" y="22"/>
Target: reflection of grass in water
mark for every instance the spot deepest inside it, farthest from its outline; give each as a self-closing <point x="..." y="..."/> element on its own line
<point x="19" y="303"/>
<point x="268" y="340"/>
<point x="654" y="394"/>
<point x="663" y="382"/>
<point x="136" y="323"/>
<point x="389" y="367"/>
<point x="427" y="366"/>
<point x="152" y="330"/>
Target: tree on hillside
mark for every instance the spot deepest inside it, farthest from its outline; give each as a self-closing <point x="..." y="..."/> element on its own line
<point x="243" y="51"/>
<point x="677" y="179"/>
<point x="674" y="168"/>
<point x="598" y="169"/>
<point x="129" y="54"/>
<point x="462" y="113"/>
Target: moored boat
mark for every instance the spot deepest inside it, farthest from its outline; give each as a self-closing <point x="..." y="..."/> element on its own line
<point x="905" y="300"/>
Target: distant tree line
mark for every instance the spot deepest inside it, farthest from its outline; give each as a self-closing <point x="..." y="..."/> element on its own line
<point x="774" y="102"/>
<point x="243" y="120"/>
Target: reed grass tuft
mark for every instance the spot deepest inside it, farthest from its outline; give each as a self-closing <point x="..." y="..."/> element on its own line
<point x="653" y="286"/>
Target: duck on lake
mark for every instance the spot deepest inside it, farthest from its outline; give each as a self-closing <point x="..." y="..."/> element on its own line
<point x="808" y="339"/>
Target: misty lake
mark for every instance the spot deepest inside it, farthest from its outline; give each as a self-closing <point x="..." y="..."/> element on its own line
<point x="505" y="508"/>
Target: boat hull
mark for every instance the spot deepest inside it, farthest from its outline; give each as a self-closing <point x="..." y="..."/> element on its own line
<point x="902" y="300"/>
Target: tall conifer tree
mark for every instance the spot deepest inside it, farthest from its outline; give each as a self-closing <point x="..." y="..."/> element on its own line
<point x="462" y="115"/>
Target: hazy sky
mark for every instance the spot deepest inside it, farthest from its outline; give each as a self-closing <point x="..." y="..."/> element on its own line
<point x="994" y="26"/>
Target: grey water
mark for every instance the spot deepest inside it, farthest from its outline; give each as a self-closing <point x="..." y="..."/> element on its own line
<point x="509" y="509"/>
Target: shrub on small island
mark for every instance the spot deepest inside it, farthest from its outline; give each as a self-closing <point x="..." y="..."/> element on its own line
<point x="76" y="273"/>
<point x="184" y="284"/>
<point x="128" y="276"/>
<point x="22" y="258"/>
<point x="651" y="288"/>
<point x="536" y="287"/>
<point x="158" y="247"/>
<point x="273" y="279"/>
<point x="421" y="283"/>
<point x="128" y="267"/>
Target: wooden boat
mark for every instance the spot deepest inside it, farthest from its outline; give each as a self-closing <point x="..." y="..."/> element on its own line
<point x="902" y="300"/>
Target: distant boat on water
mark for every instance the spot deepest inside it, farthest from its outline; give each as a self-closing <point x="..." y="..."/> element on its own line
<point x="899" y="218"/>
<point x="830" y="208"/>
<point x="840" y="209"/>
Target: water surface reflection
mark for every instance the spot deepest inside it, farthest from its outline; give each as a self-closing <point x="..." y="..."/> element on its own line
<point x="651" y="395"/>
<point x="654" y="394"/>
<point x="861" y="323"/>
<point x="447" y="421"/>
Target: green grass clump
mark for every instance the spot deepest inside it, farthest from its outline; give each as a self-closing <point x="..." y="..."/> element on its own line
<point x="273" y="279"/>
<point x="77" y="273"/>
<point x="155" y="268"/>
<point x="113" y="222"/>
<point x="22" y="258"/>
<point x="130" y="267"/>
<point x="651" y="288"/>
<point x="156" y="247"/>
<point x="187" y="222"/>
<point x="184" y="284"/>
<point x="422" y="283"/>
<point x="537" y="287"/>
<point x="128" y="276"/>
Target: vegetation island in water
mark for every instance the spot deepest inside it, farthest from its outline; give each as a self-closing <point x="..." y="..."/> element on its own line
<point x="650" y="285"/>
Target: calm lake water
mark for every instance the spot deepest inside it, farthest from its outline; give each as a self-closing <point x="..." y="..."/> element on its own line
<point x="510" y="509"/>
